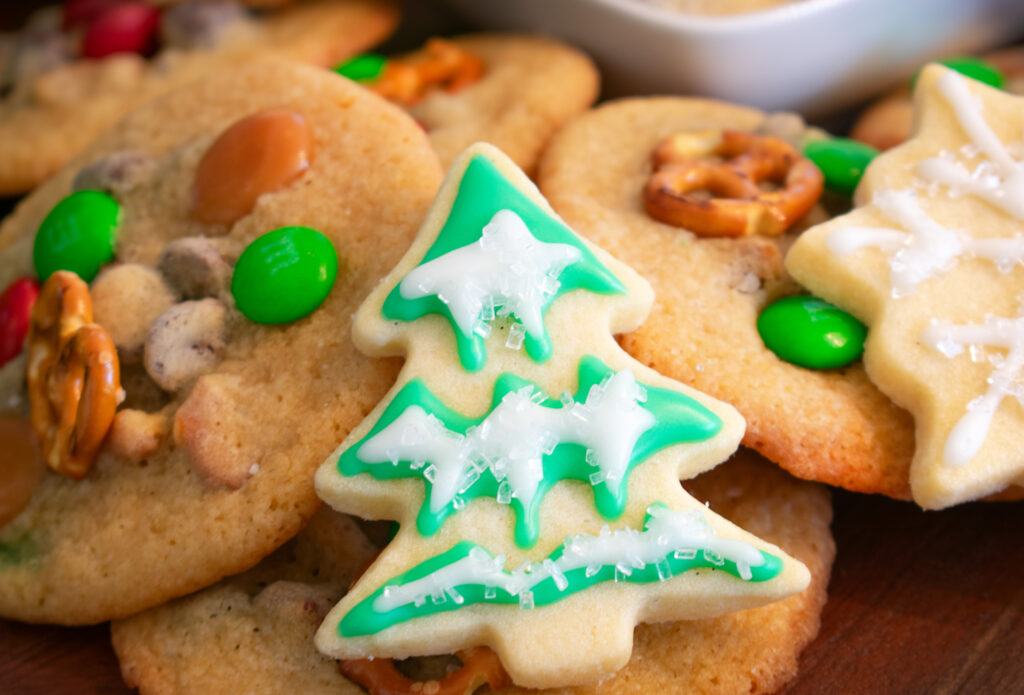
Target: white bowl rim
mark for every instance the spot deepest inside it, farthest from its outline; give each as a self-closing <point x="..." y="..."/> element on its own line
<point x="662" y="16"/>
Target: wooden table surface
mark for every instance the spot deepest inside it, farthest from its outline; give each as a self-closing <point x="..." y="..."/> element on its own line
<point x="920" y="602"/>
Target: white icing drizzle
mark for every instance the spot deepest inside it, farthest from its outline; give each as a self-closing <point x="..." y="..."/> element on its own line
<point x="682" y="532"/>
<point x="999" y="178"/>
<point x="507" y="272"/>
<point x="923" y="248"/>
<point x="512" y="440"/>
<point x="968" y="435"/>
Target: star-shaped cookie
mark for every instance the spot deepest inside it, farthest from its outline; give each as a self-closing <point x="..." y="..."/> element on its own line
<point x="931" y="261"/>
<point x="539" y="502"/>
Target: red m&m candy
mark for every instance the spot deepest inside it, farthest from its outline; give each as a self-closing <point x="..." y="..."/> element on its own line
<point x="129" y="27"/>
<point x="15" y="312"/>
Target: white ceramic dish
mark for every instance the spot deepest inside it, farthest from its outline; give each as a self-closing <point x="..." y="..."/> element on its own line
<point x="812" y="56"/>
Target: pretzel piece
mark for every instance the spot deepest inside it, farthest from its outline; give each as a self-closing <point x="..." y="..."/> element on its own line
<point x="380" y="676"/>
<point x="74" y="380"/>
<point x="442" y="65"/>
<point x="729" y="166"/>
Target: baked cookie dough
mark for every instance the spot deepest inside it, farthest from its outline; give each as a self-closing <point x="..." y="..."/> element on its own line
<point x="209" y="464"/>
<point x="56" y="103"/>
<point x="514" y="93"/>
<point x="252" y="632"/>
<point x="832" y="426"/>
<point x="255" y="631"/>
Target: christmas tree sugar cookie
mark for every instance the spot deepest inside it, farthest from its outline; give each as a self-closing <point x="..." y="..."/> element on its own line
<point x="532" y="465"/>
<point x="235" y="234"/>
<point x="931" y="262"/>
<point x="831" y="425"/>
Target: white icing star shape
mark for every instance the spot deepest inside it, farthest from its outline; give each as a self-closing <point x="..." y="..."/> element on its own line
<point x="507" y="272"/>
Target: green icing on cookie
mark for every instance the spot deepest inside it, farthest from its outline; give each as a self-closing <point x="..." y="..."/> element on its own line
<point x="526" y="443"/>
<point x="671" y="543"/>
<point x="555" y="262"/>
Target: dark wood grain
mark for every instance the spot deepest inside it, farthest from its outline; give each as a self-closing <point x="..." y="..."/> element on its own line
<point x="920" y="603"/>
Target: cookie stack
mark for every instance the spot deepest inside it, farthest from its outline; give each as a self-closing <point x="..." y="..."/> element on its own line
<point x="247" y="287"/>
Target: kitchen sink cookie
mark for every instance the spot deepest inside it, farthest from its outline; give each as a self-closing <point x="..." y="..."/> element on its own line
<point x="888" y="122"/>
<point x="513" y="91"/>
<point x="237" y="390"/>
<point x="270" y="614"/>
<point x="931" y="260"/>
<point x="532" y="465"/>
<point x="808" y="407"/>
<point x="252" y="632"/>
<point x="72" y="72"/>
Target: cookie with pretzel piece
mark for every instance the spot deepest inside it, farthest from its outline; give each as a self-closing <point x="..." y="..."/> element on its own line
<point x="513" y="91"/>
<point x="230" y="332"/>
<point x="830" y="425"/>
<point x="751" y="652"/>
<point x="73" y="72"/>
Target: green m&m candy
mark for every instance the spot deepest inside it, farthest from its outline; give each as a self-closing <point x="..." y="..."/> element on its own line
<point x="812" y="333"/>
<point x="362" y="68"/>
<point x="78" y="235"/>
<point x="842" y="161"/>
<point x="284" y="275"/>
<point x="975" y="68"/>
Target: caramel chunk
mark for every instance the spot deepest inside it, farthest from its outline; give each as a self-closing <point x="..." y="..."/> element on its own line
<point x="135" y="434"/>
<point x="258" y="154"/>
<point x="21" y="466"/>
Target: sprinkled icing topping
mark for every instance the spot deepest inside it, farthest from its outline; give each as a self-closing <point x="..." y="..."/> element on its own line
<point x="670" y="543"/>
<point x="507" y="272"/>
<point x="967" y="437"/>
<point x="513" y="438"/>
<point x="498" y="254"/>
<point x="998" y="176"/>
<point x="527" y="442"/>
<point x="923" y="248"/>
